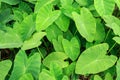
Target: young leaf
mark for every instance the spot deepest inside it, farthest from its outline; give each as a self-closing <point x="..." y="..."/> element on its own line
<point x="34" y="41"/>
<point x="94" y="60"/>
<point x="97" y="77"/>
<point x="86" y="26"/>
<point x="10" y="39"/>
<point x="118" y="69"/>
<point x="4" y="68"/>
<point x="108" y="76"/>
<point x="63" y="22"/>
<point x="104" y="7"/>
<point x="71" y="48"/>
<point x="46" y="17"/>
<point x="26" y="76"/>
<point x="23" y="65"/>
<point x="57" y="57"/>
<point x="53" y="32"/>
<point x="46" y="75"/>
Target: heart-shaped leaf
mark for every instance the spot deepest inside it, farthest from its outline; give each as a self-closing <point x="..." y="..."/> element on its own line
<point x="72" y="48"/>
<point x="86" y="26"/>
<point x="93" y="58"/>
<point x="23" y="65"/>
<point x="57" y="57"/>
<point x="4" y="68"/>
<point x="103" y="8"/>
<point x="46" y="17"/>
<point x="34" y="41"/>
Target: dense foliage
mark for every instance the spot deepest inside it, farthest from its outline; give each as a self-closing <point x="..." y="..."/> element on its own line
<point x="59" y="39"/>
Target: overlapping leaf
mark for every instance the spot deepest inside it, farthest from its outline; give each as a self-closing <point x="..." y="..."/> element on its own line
<point x="63" y="22"/>
<point x="4" y="68"/>
<point x="85" y="24"/>
<point x="34" y="41"/>
<point x="46" y="17"/>
<point x="104" y="7"/>
<point x="93" y="58"/>
<point x="57" y="57"/>
<point x="26" y="76"/>
<point x="10" y="39"/>
<point x="53" y="32"/>
<point x="23" y="65"/>
<point x="26" y="28"/>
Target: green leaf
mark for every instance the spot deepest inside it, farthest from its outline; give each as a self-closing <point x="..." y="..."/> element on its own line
<point x="34" y="41"/>
<point x="104" y="7"/>
<point x="82" y="2"/>
<point x="57" y="44"/>
<point x="9" y="39"/>
<point x="70" y="69"/>
<point x="23" y="65"/>
<point x="26" y="28"/>
<point x="26" y="76"/>
<point x="5" y="15"/>
<point x="71" y="48"/>
<point x="109" y="19"/>
<point x="53" y="32"/>
<point x="86" y="26"/>
<point x="46" y="75"/>
<point x="11" y="2"/>
<point x="65" y="78"/>
<point x="4" y="68"/>
<point x="56" y="70"/>
<point x="118" y="3"/>
<point x="93" y="58"/>
<point x="108" y="76"/>
<point x="46" y="17"/>
<point x="118" y="69"/>
<point x="100" y="32"/>
<point x="63" y="22"/>
<point x="41" y="3"/>
<point x="57" y="57"/>
<point x="97" y="77"/>
<point x="117" y="39"/>
<point x="67" y="7"/>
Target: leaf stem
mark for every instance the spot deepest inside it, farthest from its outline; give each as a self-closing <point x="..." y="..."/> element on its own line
<point x="40" y="53"/>
<point x="107" y="35"/>
<point x="112" y="47"/>
<point x="75" y="32"/>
